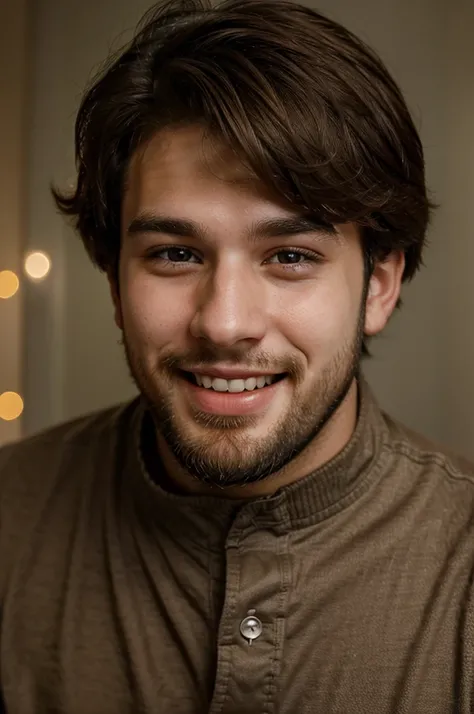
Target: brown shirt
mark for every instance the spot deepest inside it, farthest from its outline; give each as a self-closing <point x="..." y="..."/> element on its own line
<point x="120" y="598"/>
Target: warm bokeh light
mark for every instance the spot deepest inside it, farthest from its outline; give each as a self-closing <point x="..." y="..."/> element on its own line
<point x="37" y="265"/>
<point x="9" y="283"/>
<point x="11" y="406"/>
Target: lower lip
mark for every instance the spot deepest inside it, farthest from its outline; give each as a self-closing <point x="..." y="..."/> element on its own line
<point x="232" y="403"/>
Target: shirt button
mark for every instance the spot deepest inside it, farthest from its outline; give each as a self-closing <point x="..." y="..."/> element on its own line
<point x="251" y="627"/>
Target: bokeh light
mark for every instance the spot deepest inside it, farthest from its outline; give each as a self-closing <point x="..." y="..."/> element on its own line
<point x="37" y="265"/>
<point x="9" y="284"/>
<point x="11" y="406"/>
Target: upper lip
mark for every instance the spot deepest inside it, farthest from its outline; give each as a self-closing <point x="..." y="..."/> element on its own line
<point x="230" y="372"/>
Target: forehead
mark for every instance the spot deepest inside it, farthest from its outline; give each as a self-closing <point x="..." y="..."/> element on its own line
<point x="183" y="173"/>
<point x="190" y="147"/>
<point x="184" y="165"/>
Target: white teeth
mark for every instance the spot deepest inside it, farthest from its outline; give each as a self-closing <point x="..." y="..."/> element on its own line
<point x="236" y="385"/>
<point x="250" y="383"/>
<point x="233" y="385"/>
<point x="220" y="385"/>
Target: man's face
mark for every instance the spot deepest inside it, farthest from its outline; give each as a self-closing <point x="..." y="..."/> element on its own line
<point x="215" y="276"/>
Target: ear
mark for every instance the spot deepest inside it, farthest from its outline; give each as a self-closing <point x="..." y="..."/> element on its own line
<point x="383" y="292"/>
<point x="115" y="294"/>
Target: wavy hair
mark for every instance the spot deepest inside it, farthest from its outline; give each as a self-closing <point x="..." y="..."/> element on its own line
<point x="308" y="106"/>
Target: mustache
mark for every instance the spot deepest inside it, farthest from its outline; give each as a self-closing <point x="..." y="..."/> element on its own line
<point x="209" y="357"/>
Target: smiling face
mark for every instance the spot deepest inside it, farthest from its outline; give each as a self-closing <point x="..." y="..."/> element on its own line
<point x="221" y="279"/>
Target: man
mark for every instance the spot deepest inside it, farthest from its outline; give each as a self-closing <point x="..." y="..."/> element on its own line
<point x="251" y="534"/>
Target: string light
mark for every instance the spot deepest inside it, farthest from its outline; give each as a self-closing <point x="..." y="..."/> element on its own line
<point x="37" y="265"/>
<point x="11" y="406"/>
<point x="9" y="284"/>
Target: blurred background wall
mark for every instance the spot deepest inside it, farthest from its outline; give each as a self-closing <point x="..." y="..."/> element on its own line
<point x="59" y="347"/>
<point x="14" y="72"/>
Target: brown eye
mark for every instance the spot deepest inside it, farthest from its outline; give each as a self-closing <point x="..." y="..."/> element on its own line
<point x="290" y="256"/>
<point x="171" y="255"/>
<point x="295" y="257"/>
<point x="178" y="255"/>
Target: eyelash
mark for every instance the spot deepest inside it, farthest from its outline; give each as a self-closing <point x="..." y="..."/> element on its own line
<point x="311" y="257"/>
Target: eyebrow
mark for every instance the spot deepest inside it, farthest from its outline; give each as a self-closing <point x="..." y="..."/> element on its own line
<point x="261" y="230"/>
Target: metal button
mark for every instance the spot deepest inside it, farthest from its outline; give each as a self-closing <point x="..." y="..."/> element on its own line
<point x="251" y="627"/>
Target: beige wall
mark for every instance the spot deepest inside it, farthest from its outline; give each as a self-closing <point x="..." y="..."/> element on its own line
<point x="421" y="369"/>
<point x="456" y="279"/>
<point x="73" y="362"/>
<point x="13" y="108"/>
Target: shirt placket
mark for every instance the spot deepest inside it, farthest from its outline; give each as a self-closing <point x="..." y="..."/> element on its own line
<point x="252" y="625"/>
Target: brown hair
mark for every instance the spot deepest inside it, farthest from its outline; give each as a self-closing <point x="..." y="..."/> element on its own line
<point x="310" y="108"/>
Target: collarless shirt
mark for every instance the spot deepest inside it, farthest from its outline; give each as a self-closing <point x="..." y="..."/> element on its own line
<point x="348" y="591"/>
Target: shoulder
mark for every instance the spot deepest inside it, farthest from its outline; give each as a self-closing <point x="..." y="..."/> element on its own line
<point x="55" y="470"/>
<point x="47" y="449"/>
<point x="432" y="460"/>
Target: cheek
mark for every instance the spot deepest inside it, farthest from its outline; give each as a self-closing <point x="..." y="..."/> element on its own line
<point x="153" y="314"/>
<point x="321" y="319"/>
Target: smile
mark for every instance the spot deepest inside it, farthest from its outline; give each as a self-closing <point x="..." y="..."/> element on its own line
<point x="218" y="384"/>
<point x="216" y="395"/>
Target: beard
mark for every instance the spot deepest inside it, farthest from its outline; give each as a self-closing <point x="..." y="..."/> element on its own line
<point x="225" y="454"/>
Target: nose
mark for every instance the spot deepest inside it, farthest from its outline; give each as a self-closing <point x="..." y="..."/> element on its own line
<point x="230" y="306"/>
